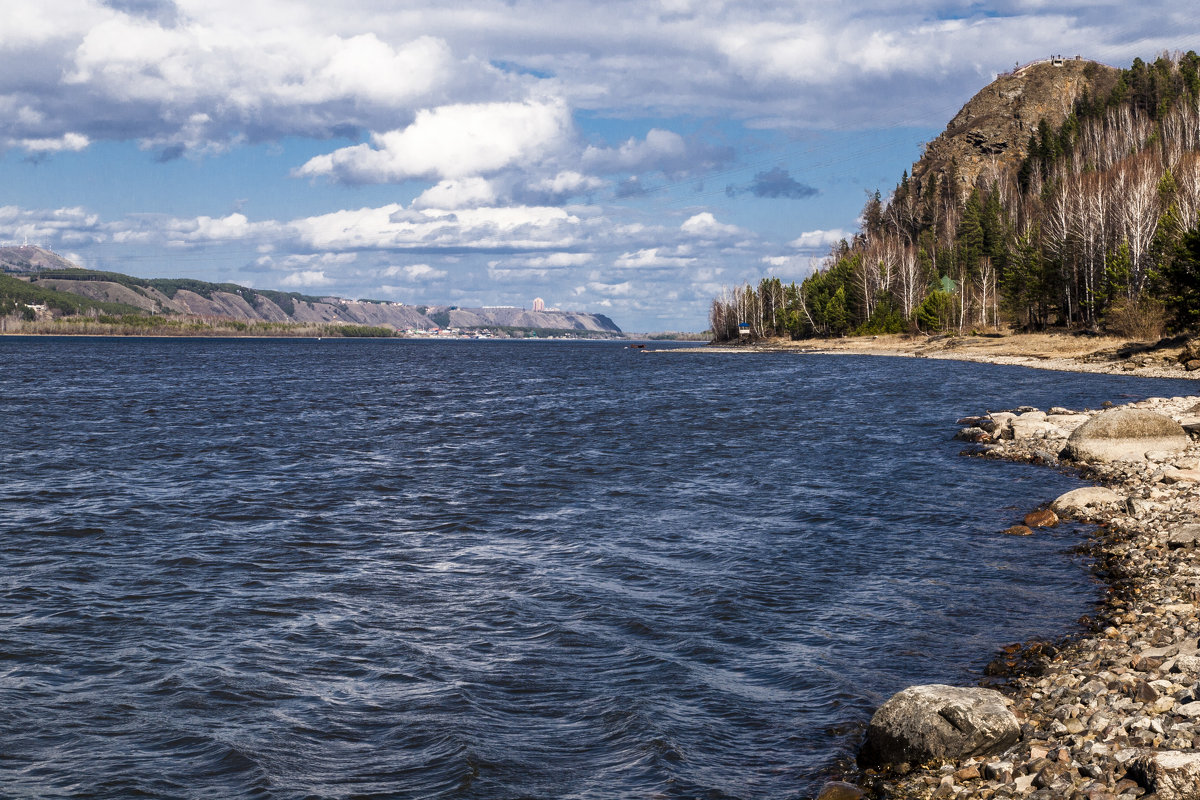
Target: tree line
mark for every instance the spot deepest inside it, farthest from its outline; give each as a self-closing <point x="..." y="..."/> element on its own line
<point x="1097" y="228"/>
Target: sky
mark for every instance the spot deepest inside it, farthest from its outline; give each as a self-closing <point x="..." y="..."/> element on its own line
<point x="626" y="158"/>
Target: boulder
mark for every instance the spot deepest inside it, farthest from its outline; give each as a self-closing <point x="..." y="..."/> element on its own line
<point x="1087" y="501"/>
<point x="938" y="723"/>
<point x="1169" y="774"/>
<point x="1041" y="519"/>
<point x="1190" y="352"/>
<point x="840" y="790"/>
<point x="1018" y="530"/>
<point x="1125" y="434"/>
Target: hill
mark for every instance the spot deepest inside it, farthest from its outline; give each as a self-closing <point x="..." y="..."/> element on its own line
<point x="64" y="287"/>
<point x="1064" y="195"/>
<point x="990" y="135"/>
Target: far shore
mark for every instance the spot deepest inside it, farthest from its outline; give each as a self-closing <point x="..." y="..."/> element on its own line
<point x="1054" y="351"/>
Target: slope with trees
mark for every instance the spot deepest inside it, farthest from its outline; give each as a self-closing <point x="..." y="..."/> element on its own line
<point x="1091" y="223"/>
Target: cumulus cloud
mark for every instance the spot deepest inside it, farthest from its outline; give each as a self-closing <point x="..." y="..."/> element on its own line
<point x="810" y="240"/>
<point x="414" y="273"/>
<point x="661" y="150"/>
<point x="72" y="225"/>
<point x="559" y="187"/>
<point x="203" y="229"/>
<point x="144" y="69"/>
<point x="454" y="141"/>
<point x="68" y="142"/>
<point x="306" y="279"/>
<point x="794" y="266"/>
<point x="705" y="226"/>
<point x="457" y="193"/>
<point x="651" y="258"/>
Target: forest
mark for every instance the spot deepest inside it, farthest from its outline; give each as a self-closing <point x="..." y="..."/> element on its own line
<point x="1097" y="229"/>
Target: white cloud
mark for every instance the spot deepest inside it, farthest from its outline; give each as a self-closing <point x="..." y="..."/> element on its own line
<point x="811" y="240"/>
<point x="72" y="225"/>
<point x="215" y="229"/>
<point x="560" y="260"/>
<point x="454" y="141"/>
<point x="68" y="142"/>
<point x="795" y="266"/>
<point x="150" y="70"/>
<point x="651" y="258"/>
<point x="414" y="273"/>
<point x="393" y="227"/>
<point x="566" y="183"/>
<point x="705" y="226"/>
<point x="457" y="193"/>
<point x="307" y="279"/>
<point x="622" y="289"/>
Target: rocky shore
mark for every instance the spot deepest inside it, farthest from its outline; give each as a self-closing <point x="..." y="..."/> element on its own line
<point x="1113" y="712"/>
<point x="1177" y="357"/>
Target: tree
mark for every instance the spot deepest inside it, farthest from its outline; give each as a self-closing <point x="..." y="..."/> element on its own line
<point x="1181" y="279"/>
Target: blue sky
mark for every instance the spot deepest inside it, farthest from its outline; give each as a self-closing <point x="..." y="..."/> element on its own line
<point x="630" y="158"/>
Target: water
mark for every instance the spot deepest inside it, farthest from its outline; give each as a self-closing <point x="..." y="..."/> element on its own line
<point x="377" y="569"/>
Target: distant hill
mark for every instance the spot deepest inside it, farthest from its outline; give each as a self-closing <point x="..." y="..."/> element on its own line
<point x="28" y="259"/>
<point x="46" y="271"/>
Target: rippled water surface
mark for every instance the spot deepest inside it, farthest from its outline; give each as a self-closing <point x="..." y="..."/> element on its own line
<point x="375" y="569"/>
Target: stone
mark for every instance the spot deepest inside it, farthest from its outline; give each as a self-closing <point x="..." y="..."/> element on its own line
<point x="1170" y="774"/>
<point x="936" y="722"/>
<point x="1188" y="663"/>
<point x="1125" y="434"/>
<point x="1193" y="365"/>
<point x="1030" y="428"/>
<point x="1181" y="476"/>
<point x="974" y="435"/>
<point x="1044" y="518"/>
<point x="1184" y="536"/>
<point x="840" y="790"/>
<point x="1018" y="530"/>
<point x="1087" y="500"/>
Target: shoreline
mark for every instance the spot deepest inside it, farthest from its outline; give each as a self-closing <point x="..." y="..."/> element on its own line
<point x="1110" y="711"/>
<point x="1050" y="351"/>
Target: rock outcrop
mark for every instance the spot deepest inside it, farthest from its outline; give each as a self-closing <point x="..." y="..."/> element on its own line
<point x="991" y="132"/>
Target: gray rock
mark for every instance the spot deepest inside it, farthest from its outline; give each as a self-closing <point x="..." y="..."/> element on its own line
<point x="1125" y="434"/>
<point x="1170" y="774"/>
<point x="1189" y="664"/>
<point x="1184" y="536"/>
<point x="938" y="723"/>
<point x="1023" y="428"/>
<point x="1087" y="501"/>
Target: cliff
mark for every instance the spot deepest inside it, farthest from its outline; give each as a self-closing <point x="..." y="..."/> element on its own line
<point x="200" y="299"/>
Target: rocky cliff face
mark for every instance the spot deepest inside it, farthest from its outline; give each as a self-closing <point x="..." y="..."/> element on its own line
<point x="246" y="305"/>
<point x="991" y="132"/>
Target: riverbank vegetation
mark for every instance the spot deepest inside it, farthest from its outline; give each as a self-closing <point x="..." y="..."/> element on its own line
<point x="1097" y="228"/>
